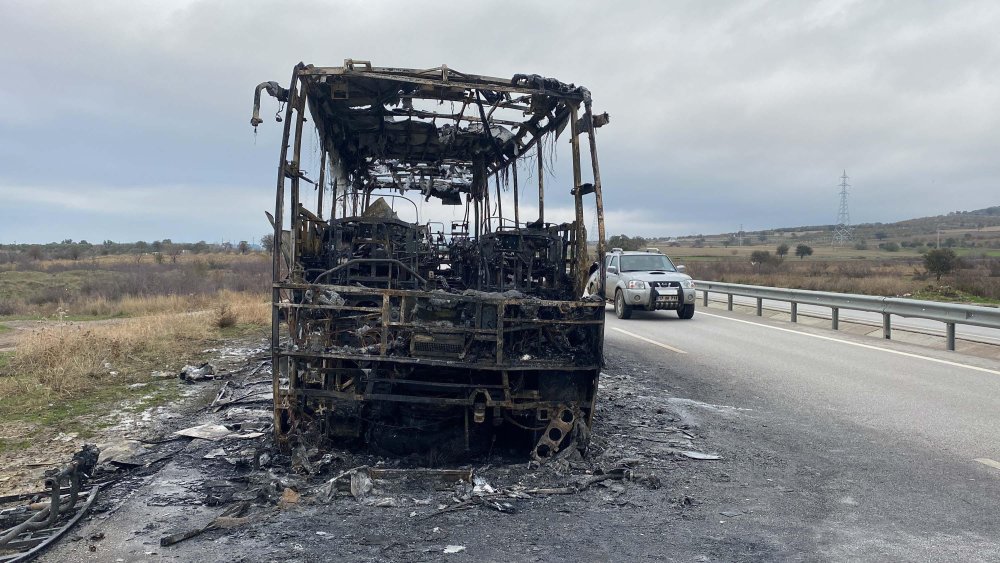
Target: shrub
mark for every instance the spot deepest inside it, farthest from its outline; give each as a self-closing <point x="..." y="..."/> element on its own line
<point x="994" y="267"/>
<point x="940" y="261"/>
<point x="225" y="317"/>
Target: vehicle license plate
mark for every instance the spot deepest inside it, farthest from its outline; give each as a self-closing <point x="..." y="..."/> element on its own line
<point x="666" y="291"/>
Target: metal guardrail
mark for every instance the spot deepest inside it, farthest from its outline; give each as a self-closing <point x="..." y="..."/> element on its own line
<point x="948" y="313"/>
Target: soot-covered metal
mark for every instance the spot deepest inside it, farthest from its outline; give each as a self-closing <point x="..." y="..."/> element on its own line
<point x="405" y="334"/>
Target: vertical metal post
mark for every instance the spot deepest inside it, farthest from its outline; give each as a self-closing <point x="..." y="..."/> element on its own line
<point x="835" y="318"/>
<point x="467" y="447"/>
<point x="598" y="192"/>
<point x="950" y="327"/>
<point x="487" y="224"/>
<point x="541" y="186"/>
<point x="496" y="180"/>
<point x="279" y="213"/>
<point x="517" y="195"/>
<point x="321" y="185"/>
<point x="729" y="301"/>
<point x="476" y="228"/>
<point x="795" y="312"/>
<point x="300" y="110"/>
<point x="333" y="199"/>
<point x="886" y="326"/>
<point x="704" y="297"/>
<point x="580" y="252"/>
<point x="760" y="307"/>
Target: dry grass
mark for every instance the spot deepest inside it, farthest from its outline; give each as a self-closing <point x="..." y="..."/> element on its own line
<point x="110" y="288"/>
<point x="167" y="304"/>
<point x="975" y="282"/>
<point x="71" y="358"/>
<point x="152" y="317"/>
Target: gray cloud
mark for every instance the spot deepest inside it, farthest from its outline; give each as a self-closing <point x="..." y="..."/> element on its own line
<point x="130" y="119"/>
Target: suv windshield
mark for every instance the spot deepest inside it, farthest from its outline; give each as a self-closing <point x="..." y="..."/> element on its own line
<point x="646" y="262"/>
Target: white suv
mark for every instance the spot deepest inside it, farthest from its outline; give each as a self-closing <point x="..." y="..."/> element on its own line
<point x="644" y="280"/>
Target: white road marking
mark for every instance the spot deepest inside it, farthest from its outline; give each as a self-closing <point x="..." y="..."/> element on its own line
<point x="653" y="342"/>
<point x="858" y="344"/>
<point x="987" y="461"/>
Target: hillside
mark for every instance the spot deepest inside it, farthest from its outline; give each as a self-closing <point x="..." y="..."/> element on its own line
<point x="979" y="229"/>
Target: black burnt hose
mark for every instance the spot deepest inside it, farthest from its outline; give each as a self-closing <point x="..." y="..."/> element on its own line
<point x="275" y="90"/>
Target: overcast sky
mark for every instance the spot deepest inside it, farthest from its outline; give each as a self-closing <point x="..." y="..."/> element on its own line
<point x="129" y="119"/>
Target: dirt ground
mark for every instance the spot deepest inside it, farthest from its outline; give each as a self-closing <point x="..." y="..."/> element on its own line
<point x="8" y="338"/>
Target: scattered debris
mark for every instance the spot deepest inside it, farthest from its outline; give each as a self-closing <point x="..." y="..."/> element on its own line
<point x="194" y="374"/>
<point x="119" y="450"/>
<point x="699" y="455"/>
<point x="622" y="458"/>
<point x="245" y="436"/>
<point x="30" y="529"/>
<point x="288" y="498"/>
<point x="212" y="432"/>
<point x="454" y="548"/>
<point x="230" y="518"/>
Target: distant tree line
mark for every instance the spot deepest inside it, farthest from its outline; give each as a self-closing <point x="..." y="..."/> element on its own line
<point x="76" y="250"/>
<point x="626" y="242"/>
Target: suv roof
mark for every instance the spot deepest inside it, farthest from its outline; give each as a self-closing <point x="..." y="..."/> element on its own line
<point x="629" y="252"/>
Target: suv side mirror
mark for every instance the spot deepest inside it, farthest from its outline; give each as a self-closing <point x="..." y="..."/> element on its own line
<point x="612" y="270"/>
<point x="681" y="269"/>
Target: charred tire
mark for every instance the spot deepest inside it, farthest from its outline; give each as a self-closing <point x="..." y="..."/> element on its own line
<point x="686" y="312"/>
<point x="622" y="311"/>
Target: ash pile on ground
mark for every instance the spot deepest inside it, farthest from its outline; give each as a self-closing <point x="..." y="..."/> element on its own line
<point x="228" y="495"/>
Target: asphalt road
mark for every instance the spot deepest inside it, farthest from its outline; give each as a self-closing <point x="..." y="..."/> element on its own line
<point x="852" y="447"/>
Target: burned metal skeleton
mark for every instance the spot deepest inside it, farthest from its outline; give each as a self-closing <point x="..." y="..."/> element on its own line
<point x="396" y="332"/>
<point x="27" y="529"/>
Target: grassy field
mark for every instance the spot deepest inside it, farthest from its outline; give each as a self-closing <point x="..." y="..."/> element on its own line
<point x="107" y="324"/>
<point x="869" y="272"/>
<point x="115" y="286"/>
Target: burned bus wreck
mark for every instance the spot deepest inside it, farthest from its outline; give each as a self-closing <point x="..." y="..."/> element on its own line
<point x="397" y="332"/>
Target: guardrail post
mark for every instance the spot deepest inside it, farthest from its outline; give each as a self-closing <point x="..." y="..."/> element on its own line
<point x="886" y="326"/>
<point x="835" y="317"/>
<point x="704" y="298"/>
<point x="760" y="307"/>
<point x="951" y="336"/>
<point x="795" y="312"/>
<point x="729" y="301"/>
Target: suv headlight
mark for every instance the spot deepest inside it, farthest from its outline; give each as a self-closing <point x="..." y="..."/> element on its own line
<point x="636" y="284"/>
<point x="687" y="284"/>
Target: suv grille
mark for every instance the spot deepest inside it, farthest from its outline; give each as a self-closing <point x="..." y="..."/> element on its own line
<point x="665" y="284"/>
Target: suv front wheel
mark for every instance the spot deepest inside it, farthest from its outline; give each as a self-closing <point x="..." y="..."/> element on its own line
<point x="622" y="311"/>
<point x="686" y="312"/>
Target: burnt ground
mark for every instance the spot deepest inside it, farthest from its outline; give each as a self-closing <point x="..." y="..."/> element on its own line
<point x="648" y="499"/>
<point x="780" y="492"/>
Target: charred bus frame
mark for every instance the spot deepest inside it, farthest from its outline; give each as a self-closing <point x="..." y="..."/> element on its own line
<point x="382" y="327"/>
